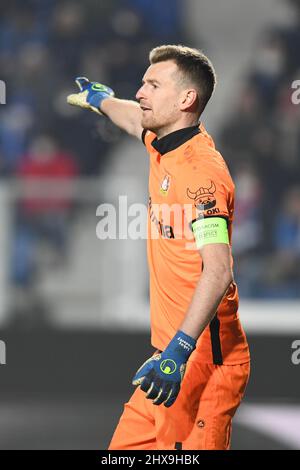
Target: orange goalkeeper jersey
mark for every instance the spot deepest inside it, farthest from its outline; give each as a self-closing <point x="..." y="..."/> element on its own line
<point x="188" y="180"/>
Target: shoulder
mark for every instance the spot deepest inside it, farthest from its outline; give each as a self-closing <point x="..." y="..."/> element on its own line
<point x="199" y="157"/>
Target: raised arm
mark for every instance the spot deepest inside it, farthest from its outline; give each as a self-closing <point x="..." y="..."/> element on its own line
<point x="125" y="114"/>
<point x="99" y="98"/>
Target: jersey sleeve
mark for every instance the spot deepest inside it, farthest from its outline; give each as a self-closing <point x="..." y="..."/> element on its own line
<point x="205" y="189"/>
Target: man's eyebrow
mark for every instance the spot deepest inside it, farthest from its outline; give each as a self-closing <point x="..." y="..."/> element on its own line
<point x="150" y="80"/>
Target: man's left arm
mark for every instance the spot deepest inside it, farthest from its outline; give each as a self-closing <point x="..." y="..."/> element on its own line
<point x="160" y="376"/>
<point x="214" y="281"/>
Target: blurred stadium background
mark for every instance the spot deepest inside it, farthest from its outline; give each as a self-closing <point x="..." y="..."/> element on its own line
<point x="74" y="309"/>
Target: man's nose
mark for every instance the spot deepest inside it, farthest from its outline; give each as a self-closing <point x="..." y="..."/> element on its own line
<point x="140" y="93"/>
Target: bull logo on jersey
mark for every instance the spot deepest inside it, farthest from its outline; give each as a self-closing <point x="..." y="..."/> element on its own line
<point x="204" y="197"/>
<point x="165" y="185"/>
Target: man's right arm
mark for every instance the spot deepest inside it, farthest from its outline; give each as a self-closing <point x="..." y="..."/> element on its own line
<point x="100" y="98"/>
<point x="125" y="114"/>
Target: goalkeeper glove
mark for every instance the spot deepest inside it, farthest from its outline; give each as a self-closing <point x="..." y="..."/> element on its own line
<point x="91" y="95"/>
<point x="162" y="374"/>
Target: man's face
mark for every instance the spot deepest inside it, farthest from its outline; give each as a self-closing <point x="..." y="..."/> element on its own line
<point x="159" y="97"/>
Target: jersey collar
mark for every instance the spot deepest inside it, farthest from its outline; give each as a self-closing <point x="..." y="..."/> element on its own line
<point x="173" y="140"/>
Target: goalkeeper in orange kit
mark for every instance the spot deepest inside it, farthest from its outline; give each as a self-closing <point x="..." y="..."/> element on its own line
<point x="189" y="390"/>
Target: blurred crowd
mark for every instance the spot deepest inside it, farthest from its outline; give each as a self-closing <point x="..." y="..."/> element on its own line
<point x="261" y="143"/>
<point x="45" y="44"/>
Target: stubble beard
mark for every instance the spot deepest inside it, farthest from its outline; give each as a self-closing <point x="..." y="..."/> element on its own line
<point x="149" y="123"/>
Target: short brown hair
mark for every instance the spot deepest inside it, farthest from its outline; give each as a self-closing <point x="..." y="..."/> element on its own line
<point x="194" y="65"/>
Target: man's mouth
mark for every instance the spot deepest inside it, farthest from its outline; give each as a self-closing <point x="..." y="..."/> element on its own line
<point x="145" y="108"/>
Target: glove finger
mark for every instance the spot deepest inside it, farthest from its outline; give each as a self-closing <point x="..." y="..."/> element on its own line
<point x="163" y="394"/>
<point x="146" y="383"/>
<point x="182" y="371"/>
<point x="154" y="389"/>
<point x="82" y="83"/>
<point x="172" y="395"/>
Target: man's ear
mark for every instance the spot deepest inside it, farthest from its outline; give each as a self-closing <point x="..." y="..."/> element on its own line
<point x="189" y="100"/>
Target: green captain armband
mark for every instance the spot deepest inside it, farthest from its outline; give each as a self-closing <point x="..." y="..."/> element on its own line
<point x="210" y="230"/>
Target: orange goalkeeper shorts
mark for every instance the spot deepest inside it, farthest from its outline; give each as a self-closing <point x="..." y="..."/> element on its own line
<point x="200" y="418"/>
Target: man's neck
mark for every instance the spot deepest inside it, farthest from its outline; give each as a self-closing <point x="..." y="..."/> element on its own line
<point x="175" y="127"/>
<point x="175" y="139"/>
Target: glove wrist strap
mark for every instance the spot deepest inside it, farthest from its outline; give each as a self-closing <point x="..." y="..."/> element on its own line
<point x="182" y="344"/>
<point x="97" y="99"/>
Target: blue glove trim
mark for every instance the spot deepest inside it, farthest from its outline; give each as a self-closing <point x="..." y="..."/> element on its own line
<point x="97" y="98"/>
<point x="97" y="93"/>
<point x="182" y="344"/>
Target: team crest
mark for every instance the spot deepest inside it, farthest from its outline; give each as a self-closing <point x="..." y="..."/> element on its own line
<point x="165" y="185"/>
